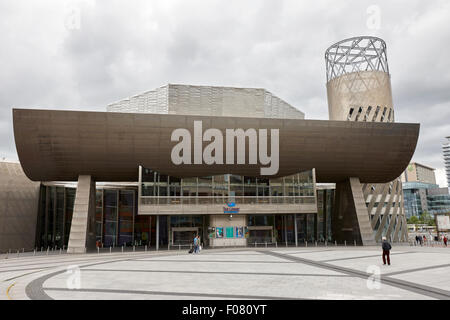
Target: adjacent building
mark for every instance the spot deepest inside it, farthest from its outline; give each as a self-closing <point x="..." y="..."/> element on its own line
<point x="421" y="193"/>
<point x="446" y="153"/>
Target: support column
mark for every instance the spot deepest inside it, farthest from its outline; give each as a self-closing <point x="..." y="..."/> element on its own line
<point x="157" y="233"/>
<point x="350" y="217"/>
<point x="82" y="230"/>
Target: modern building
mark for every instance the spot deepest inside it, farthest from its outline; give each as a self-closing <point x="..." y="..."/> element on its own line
<point x="417" y="172"/>
<point x="235" y="165"/>
<point x="421" y="193"/>
<point x="446" y="152"/>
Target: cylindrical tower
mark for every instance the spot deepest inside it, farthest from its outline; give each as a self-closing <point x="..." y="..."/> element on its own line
<point x="359" y="89"/>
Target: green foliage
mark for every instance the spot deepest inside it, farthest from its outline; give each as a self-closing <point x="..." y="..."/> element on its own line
<point x="424" y="218"/>
<point x="413" y="220"/>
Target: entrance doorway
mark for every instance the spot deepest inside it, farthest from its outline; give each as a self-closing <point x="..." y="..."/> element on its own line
<point x="184" y="235"/>
<point x="261" y="234"/>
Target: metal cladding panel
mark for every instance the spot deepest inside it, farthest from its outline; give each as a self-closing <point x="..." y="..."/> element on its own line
<point x="60" y="145"/>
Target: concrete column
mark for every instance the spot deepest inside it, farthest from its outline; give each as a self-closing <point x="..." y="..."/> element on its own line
<point x="350" y="217"/>
<point x="157" y="232"/>
<point x="82" y="230"/>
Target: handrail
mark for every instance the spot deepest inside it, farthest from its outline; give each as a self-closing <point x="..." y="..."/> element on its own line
<point x="164" y="200"/>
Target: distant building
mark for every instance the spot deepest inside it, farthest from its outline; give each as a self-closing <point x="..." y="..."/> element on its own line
<point x="421" y="193"/>
<point x="417" y="172"/>
<point x="446" y="152"/>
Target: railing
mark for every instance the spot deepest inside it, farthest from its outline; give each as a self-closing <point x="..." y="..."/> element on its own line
<point x="169" y="200"/>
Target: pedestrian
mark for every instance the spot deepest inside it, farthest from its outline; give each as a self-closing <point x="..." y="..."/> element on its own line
<point x="199" y="244"/>
<point x="417" y="239"/>
<point x="445" y="240"/>
<point x="195" y="244"/>
<point x="386" y="246"/>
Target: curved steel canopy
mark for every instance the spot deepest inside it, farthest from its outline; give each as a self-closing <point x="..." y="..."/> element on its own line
<point x="60" y="145"/>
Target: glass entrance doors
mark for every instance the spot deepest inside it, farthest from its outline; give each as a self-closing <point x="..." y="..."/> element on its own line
<point x="184" y="235"/>
<point x="262" y="234"/>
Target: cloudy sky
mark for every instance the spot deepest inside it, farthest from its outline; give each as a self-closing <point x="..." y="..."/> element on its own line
<point x="82" y="55"/>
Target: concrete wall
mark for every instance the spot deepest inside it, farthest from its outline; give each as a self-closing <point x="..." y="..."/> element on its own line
<point x="19" y="200"/>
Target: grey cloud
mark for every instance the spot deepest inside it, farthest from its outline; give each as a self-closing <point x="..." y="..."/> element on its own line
<point x="123" y="49"/>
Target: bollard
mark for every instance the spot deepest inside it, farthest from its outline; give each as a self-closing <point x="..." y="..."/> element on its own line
<point x="34" y="252"/>
<point x="145" y="248"/>
<point x="134" y="248"/>
<point x="276" y="244"/>
<point x="335" y="243"/>
<point x="316" y="243"/>
<point x="255" y="244"/>
<point x="306" y="244"/>
<point x="168" y="246"/>
<point x="47" y="250"/>
<point x="23" y="250"/>
<point x="60" y="250"/>
<point x="354" y="241"/>
<point x="345" y="243"/>
<point x="122" y="248"/>
<point x="98" y="250"/>
<point x="179" y="247"/>
<point x="326" y="243"/>
<point x="266" y="244"/>
<point x="42" y="249"/>
<point x="109" y="249"/>
<point x="17" y="252"/>
<point x="286" y="243"/>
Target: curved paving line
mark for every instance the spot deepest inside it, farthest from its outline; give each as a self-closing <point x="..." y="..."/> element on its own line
<point x="405" y="285"/>
<point x="35" y="290"/>
<point x="220" y="272"/>
<point x="178" y="294"/>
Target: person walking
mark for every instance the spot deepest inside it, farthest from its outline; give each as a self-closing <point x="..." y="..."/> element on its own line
<point x="195" y="244"/>
<point x="445" y="240"/>
<point x="386" y="246"/>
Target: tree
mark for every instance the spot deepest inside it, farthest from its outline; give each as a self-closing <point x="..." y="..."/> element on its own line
<point x="413" y="220"/>
<point x="427" y="218"/>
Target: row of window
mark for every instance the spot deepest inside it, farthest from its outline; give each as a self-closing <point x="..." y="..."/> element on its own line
<point x="154" y="184"/>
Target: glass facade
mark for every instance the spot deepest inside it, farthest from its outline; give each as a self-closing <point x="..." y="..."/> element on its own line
<point x="118" y="224"/>
<point x="115" y="213"/>
<point x="162" y="189"/>
<point x="420" y="197"/>
<point x="325" y="200"/>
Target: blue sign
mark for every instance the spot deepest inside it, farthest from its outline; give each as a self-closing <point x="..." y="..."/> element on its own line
<point x="230" y="208"/>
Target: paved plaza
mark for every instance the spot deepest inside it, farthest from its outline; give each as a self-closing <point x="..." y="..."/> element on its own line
<point x="246" y="273"/>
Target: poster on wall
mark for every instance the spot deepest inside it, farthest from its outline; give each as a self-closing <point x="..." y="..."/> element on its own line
<point x="246" y="232"/>
<point x="443" y="222"/>
<point x="230" y="233"/>
<point x="219" y="232"/>
<point x="239" y="232"/>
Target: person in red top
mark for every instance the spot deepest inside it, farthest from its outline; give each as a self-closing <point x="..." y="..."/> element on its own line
<point x="445" y="240"/>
